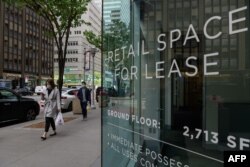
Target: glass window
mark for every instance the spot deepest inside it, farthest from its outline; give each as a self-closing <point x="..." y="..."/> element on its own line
<point x="4" y="94"/>
<point x="156" y="110"/>
<point x="72" y="92"/>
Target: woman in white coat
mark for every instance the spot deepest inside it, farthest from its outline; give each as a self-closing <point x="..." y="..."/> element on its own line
<point x="51" y="107"/>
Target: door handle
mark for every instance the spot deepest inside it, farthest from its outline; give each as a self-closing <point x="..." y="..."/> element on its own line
<point x="6" y="104"/>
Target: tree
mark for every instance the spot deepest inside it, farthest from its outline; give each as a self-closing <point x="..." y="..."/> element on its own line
<point x="93" y="39"/>
<point x="62" y="15"/>
<point x="117" y="35"/>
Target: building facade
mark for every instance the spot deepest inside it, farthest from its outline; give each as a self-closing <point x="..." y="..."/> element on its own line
<point x="115" y="11"/>
<point x="26" y="52"/>
<point x="180" y="91"/>
<point x="78" y="66"/>
<point x="98" y="3"/>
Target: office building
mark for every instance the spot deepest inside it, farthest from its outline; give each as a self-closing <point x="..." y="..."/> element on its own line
<point x="26" y="52"/>
<point x="78" y="67"/>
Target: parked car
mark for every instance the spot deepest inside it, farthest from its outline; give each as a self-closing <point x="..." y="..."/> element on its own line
<point x="74" y="86"/>
<point x="39" y="89"/>
<point x="65" y="88"/>
<point x="66" y="105"/>
<point x="67" y="98"/>
<point x="24" y="91"/>
<point x="15" y="107"/>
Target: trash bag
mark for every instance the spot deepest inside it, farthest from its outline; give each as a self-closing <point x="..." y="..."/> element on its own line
<point x="59" y="119"/>
<point x="88" y="108"/>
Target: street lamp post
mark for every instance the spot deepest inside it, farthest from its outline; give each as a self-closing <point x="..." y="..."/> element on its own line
<point x="93" y="51"/>
<point x="84" y="64"/>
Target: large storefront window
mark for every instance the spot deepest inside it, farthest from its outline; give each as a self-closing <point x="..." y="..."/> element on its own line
<point x="177" y="74"/>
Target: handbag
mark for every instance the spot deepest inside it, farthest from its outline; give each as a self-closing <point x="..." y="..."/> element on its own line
<point x="59" y="119"/>
<point x="88" y="108"/>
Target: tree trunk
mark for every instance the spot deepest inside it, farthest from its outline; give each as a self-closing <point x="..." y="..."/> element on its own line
<point x="60" y="66"/>
<point x="61" y="58"/>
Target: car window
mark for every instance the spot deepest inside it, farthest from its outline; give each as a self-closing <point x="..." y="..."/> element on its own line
<point x="65" y="88"/>
<point x="72" y="92"/>
<point x="4" y="94"/>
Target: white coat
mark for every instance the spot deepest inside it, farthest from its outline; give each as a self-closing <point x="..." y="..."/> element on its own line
<point x="52" y="103"/>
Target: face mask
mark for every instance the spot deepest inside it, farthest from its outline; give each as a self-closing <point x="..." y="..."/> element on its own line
<point x="48" y="86"/>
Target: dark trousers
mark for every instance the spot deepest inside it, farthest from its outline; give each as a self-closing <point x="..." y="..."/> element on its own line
<point x="84" y="109"/>
<point x="49" y="121"/>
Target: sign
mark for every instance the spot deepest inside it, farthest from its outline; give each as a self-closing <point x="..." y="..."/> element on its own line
<point x="87" y="61"/>
<point x="236" y="158"/>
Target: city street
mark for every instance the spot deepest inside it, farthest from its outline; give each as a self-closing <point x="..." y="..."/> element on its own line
<point x="124" y="83"/>
<point x="39" y="52"/>
<point x="77" y="143"/>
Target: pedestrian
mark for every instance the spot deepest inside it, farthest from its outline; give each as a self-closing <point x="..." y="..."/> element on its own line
<point x="84" y="97"/>
<point x="98" y="92"/>
<point x="52" y="106"/>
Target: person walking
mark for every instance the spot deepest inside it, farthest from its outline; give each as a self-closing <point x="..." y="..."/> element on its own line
<point x="52" y="106"/>
<point x="98" y="92"/>
<point x="84" y="97"/>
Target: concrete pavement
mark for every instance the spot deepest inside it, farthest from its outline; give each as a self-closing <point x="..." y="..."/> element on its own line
<point x="78" y="144"/>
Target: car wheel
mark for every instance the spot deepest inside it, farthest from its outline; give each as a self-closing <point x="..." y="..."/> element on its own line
<point x="70" y="107"/>
<point x="31" y="114"/>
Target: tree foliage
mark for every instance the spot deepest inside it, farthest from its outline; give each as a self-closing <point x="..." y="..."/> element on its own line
<point x="115" y="37"/>
<point x="62" y="15"/>
<point x="93" y="39"/>
<point x="118" y="35"/>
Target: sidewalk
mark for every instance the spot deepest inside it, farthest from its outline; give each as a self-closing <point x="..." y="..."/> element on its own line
<point x="78" y="144"/>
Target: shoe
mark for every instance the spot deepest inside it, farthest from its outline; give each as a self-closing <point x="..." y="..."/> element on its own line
<point x="43" y="138"/>
<point x="85" y="119"/>
<point x="53" y="134"/>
